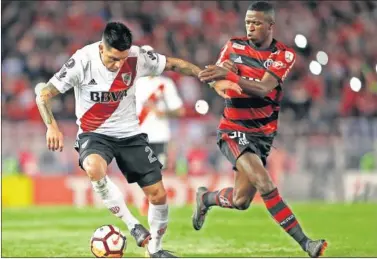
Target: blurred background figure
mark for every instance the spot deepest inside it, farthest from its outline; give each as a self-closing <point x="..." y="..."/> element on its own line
<point x="157" y="101"/>
<point x="328" y="121"/>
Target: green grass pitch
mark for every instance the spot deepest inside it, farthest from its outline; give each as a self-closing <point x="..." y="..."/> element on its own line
<point x="350" y="229"/>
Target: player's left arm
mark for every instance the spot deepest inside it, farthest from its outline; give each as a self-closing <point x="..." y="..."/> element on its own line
<point x="275" y="75"/>
<point x="154" y="64"/>
<point x="181" y="66"/>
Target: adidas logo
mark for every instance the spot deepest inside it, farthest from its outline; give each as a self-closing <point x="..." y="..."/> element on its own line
<point x="92" y="82"/>
<point x="238" y="60"/>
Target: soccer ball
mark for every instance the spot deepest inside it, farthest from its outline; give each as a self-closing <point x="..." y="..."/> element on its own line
<point x="108" y="241"/>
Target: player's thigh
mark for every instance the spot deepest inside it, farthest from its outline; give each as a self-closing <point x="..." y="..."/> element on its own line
<point x="95" y="153"/>
<point x="251" y="165"/>
<point x="137" y="161"/>
<point x="160" y="151"/>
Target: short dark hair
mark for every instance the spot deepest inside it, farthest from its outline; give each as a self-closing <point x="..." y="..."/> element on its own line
<point x="263" y="6"/>
<point x="117" y="35"/>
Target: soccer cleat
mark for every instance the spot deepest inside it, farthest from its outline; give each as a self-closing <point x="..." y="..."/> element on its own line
<point x="200" y="209"/>
<point x="141" y="235"/>
<point x="161" y="254"/>
<point x="316" y="248"/>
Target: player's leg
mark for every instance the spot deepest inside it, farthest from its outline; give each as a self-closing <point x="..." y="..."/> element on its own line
<point x="95" y="166"/>
<point x="238" y="197"/>
<point x="252" y="165"/>
<point x="159" y="150"/>
<point x="95" y="155"/>
<point x="139" y="164"/>
<point x="157" y="214"/>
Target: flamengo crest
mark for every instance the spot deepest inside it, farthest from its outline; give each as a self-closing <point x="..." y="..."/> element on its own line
<point x="127" y="77"/>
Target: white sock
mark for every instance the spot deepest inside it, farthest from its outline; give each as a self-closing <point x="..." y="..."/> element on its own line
<point x="113" y="199"/>
<point x="158" y="222"/>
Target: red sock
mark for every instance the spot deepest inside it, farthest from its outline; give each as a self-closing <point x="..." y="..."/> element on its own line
<point x="222" y="198"/>
<point x="284" y="216"/>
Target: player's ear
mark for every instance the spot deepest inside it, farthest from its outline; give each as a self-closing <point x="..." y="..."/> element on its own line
<point x="272" y="25"/>
<point x="101" y="47"/>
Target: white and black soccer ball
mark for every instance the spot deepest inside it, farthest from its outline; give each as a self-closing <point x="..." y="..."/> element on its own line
<point x="108" y="241"/>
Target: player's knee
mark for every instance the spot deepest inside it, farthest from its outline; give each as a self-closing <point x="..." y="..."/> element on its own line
<point x="157" y="196"/>
<point x="241" y="203"/>
<point x="94" y="168"/>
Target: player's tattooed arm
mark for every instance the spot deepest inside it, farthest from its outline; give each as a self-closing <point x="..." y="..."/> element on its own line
<point x="181" y="66"/>
<point x="44" y="94"/>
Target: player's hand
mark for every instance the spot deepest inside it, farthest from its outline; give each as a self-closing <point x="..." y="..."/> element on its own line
<point x="159" y="113"/>
<point x="222" y="85"/>
<point x="153" y="108"/>
<point x="212" y="72"/>
<point x="54" y="139"/>
<point x="228" y="64"/>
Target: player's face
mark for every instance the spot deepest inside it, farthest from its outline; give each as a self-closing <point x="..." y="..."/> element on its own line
<point x="258" y="26"/>
<point x="113" y="59"/>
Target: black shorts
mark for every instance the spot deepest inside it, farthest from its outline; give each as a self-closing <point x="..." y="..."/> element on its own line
<point x="234" y="144"/>
<point x="134" y="156"/>
<point x="160" y="151"/>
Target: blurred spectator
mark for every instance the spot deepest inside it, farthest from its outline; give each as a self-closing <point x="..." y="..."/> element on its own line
<point x="39" y="36"/>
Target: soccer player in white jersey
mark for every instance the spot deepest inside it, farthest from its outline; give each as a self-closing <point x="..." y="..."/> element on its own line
<point x="102" y="75"/>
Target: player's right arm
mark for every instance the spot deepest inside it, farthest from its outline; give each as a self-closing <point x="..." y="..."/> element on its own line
<point x="45" y="92"/>
<point x="220" y="86"/>
<point x="70" y="75"/>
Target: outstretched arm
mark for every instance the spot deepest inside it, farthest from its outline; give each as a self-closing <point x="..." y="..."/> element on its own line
<point x="259" y="88"/>
<point x="189" y="69"/>
<point x="181" y="66"/>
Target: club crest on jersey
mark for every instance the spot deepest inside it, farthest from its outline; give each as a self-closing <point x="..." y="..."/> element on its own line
<point x="289" y="56"/>
<point x="127" y="77"/>
<point x="70" y="63"/>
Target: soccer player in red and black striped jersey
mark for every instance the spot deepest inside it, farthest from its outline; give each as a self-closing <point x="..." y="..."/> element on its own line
<point x="258" y="64"/>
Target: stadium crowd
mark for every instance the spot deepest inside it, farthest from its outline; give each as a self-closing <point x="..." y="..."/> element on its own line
<point x="39" y="36"/>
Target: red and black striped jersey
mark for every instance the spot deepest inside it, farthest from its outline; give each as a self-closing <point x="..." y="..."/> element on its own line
<point x="249" y="113"/>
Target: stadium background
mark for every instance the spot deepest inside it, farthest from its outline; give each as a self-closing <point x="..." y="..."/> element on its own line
<point x="326" y="150"/>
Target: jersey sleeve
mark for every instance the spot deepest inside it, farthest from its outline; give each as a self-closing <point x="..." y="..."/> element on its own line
<point x="224" y="54"/>
<point x="150" y="63"/>
<point x="282" y="64"/>
<point x="172" y="99"/>
<point x="70" y="75"/>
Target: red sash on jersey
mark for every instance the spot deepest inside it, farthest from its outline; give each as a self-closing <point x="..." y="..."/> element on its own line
<point x="152" y="98"/>
<point x="100" y="112"/>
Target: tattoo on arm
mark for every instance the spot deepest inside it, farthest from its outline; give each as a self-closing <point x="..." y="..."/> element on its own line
<point x="181" y="66"/>
<point x="44" y="102"/>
